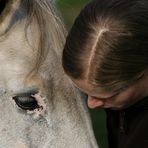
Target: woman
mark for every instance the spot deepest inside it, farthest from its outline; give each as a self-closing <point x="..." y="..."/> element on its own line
<point x="106" y="57"/>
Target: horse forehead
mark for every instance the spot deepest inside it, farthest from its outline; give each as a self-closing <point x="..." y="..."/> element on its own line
<point x="16" y="44"/>
<point x="17" y="57"/>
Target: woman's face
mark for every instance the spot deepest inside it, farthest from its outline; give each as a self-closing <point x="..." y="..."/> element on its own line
<point x="119" y="100"/>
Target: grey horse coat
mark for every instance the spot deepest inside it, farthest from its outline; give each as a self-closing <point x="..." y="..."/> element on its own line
<point x="40" y="107"/>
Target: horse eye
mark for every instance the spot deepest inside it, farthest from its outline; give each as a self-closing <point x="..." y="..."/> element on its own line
<point x="26" y="102"/>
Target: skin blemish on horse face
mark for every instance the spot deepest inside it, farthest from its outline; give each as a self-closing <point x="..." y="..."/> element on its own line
<point x="41" y="103"/>
<point x="41" y="109"/>
<point x="20" y="144"/>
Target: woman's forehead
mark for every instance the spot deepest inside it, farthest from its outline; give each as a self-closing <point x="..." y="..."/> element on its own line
<point x="91" y="90"/>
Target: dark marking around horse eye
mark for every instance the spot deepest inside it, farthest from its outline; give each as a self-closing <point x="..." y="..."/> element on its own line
<point x="26" y="102"/>
<point x="2" y="5"/>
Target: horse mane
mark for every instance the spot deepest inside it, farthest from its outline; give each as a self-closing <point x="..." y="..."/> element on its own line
<point x="51" y="29"/>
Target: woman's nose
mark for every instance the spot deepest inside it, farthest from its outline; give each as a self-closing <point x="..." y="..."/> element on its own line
<point x="94" y="102"/>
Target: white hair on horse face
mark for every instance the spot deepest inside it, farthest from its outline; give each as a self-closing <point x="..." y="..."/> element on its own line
<point x="39" y="105"/>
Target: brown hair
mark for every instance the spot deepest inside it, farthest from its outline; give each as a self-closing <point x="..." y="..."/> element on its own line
<point x="108" y="43"/>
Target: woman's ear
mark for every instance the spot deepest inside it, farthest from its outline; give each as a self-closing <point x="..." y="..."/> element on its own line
<point x="94" y="102"/>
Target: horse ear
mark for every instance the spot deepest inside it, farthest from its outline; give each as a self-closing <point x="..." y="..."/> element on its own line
<point x="2" y="5"/>
<point x="5" y="5"/>
<point x="7" y="9"/>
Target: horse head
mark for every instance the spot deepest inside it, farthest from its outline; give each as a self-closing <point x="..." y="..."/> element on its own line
<point x="40" y="107"/>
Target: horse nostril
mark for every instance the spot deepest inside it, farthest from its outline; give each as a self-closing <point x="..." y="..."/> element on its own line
<point x="26" y="102"/>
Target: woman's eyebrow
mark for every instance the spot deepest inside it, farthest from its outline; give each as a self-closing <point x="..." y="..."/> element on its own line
<point x="104" y="97"/>
<point x="99" y="97"/>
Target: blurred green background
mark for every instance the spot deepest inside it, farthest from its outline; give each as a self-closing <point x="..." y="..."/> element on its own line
<point x="69" y="10"/>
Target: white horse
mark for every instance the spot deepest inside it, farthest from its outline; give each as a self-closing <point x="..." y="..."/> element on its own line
<point x="39" y="106"/>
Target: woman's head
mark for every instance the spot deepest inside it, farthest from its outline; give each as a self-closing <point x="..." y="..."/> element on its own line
<point x="107" y="46"/>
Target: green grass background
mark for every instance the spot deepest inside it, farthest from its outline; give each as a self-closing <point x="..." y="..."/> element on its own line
<point x="69" y="10"/>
